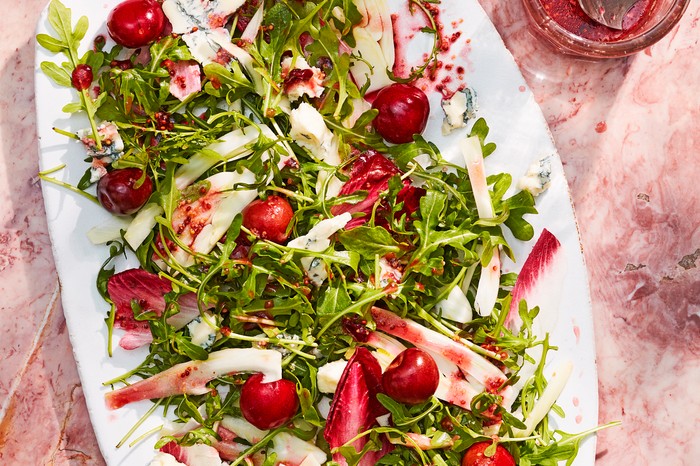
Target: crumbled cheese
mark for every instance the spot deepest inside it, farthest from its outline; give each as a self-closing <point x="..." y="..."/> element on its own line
<point x="312" y="87"/>
<point x="165" y="459"/>
<point x="184" y="15"/>
<point x="283" y="350"/>
<point x="333" y="186"/>
<point x="538" y="176"/>
<point x="458" y="110"/>
<point x="317" y="240"/>
<point x="205" y="46"/>
<point x="328" y="375"/>
<point x="201" y="331"/>
<point x="200" y="23"/>
<point x="112" y="148"/>
<point x="324" y="406"/>
<point x="309" y="130"/>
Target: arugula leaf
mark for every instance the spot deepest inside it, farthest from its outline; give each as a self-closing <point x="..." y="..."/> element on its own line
<point x="431" y="206"/>
<point x="67" y="41"/>
<point x="59" y="74"/>
<point x="370" y="241"/>
<point x="481" y="129"/>
<point x="335" y="299"/>
<point x="50" y="43"/>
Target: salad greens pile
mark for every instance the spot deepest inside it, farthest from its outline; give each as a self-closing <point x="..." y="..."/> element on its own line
<point x="405" y="255"/>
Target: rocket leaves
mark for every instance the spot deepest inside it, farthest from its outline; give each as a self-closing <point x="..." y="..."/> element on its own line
<point x="419" y="238"/>
<point x="68" y="38"/>
<point x="370" y="241"/>
<point x="66" y="41"/>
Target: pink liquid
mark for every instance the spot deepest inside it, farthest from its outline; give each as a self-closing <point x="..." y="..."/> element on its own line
<point x="569" y="15"/>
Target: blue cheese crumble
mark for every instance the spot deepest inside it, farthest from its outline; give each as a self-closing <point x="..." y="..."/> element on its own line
<point x="318" y="240"/>
<point x="203" y="331"/>
<point x="458" y="109"/>
<point x="201" y="25"/>
<point x="538" y="176"/>
<point x="112" y="148"/>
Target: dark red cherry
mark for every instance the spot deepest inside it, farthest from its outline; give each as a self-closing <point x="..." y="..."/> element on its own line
<point x="475" y="456"/>
<point x="268" y="405"/>
<point x="403" y="112"/>
<point x="136" y="23"/>
<point x="412" y="377"/>
<point x="119" y="192"/>
<point x="269" y="218"/>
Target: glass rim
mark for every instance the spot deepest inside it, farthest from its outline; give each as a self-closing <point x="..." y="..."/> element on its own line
<point x="580" y="45"/>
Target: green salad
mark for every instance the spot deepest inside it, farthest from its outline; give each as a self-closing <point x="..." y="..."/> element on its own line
<point x="316" y="283"/>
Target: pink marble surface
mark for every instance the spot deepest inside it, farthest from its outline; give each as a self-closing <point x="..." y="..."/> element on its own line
<point x="627" y="133"/>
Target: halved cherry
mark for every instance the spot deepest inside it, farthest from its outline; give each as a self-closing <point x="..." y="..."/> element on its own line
<point x="269" y="218"/>
<point x="475" y="456"/>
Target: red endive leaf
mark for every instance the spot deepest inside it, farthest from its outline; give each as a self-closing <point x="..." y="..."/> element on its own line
<point x="355" y="407"/>
<point x="146" y="291"/>
<point x="371" y="172"/>
<point x="540" y="283"/>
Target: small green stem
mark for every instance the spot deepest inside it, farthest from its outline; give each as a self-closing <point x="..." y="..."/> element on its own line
<point x="146" y="434"/>
<point x="588" y="432"/>
<point x="289" y="193"/>
<point x="453" y="336"/>
<point x="138" y="423"/>
<point x="90" y="110"/>
<point x="272" y="341"/>
<point x="255" y="448"/>
<point x="110" y="327"/>
<point x="66" y="133"/>
<point x="68" y="186"/>
<point x="52" y="170"/>
<point x="122" y="378"/>
<point x="356" y="306"/>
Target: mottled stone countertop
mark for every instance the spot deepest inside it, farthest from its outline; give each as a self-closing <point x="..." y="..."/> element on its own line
<point x="627" y="132"/>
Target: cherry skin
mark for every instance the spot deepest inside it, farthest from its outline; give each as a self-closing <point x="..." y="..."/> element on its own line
<point x="412" y="377"/>
<point x="268" y="405"/>
<point x="136" y="23"/>
<point x="117" y="191"/>
<point x="475" y="456"/>
<point x="269" y="218"/>
<point x="403" y="112"/>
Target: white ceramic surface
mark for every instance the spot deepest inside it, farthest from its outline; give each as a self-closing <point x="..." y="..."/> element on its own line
<point x="517" y="126"/>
